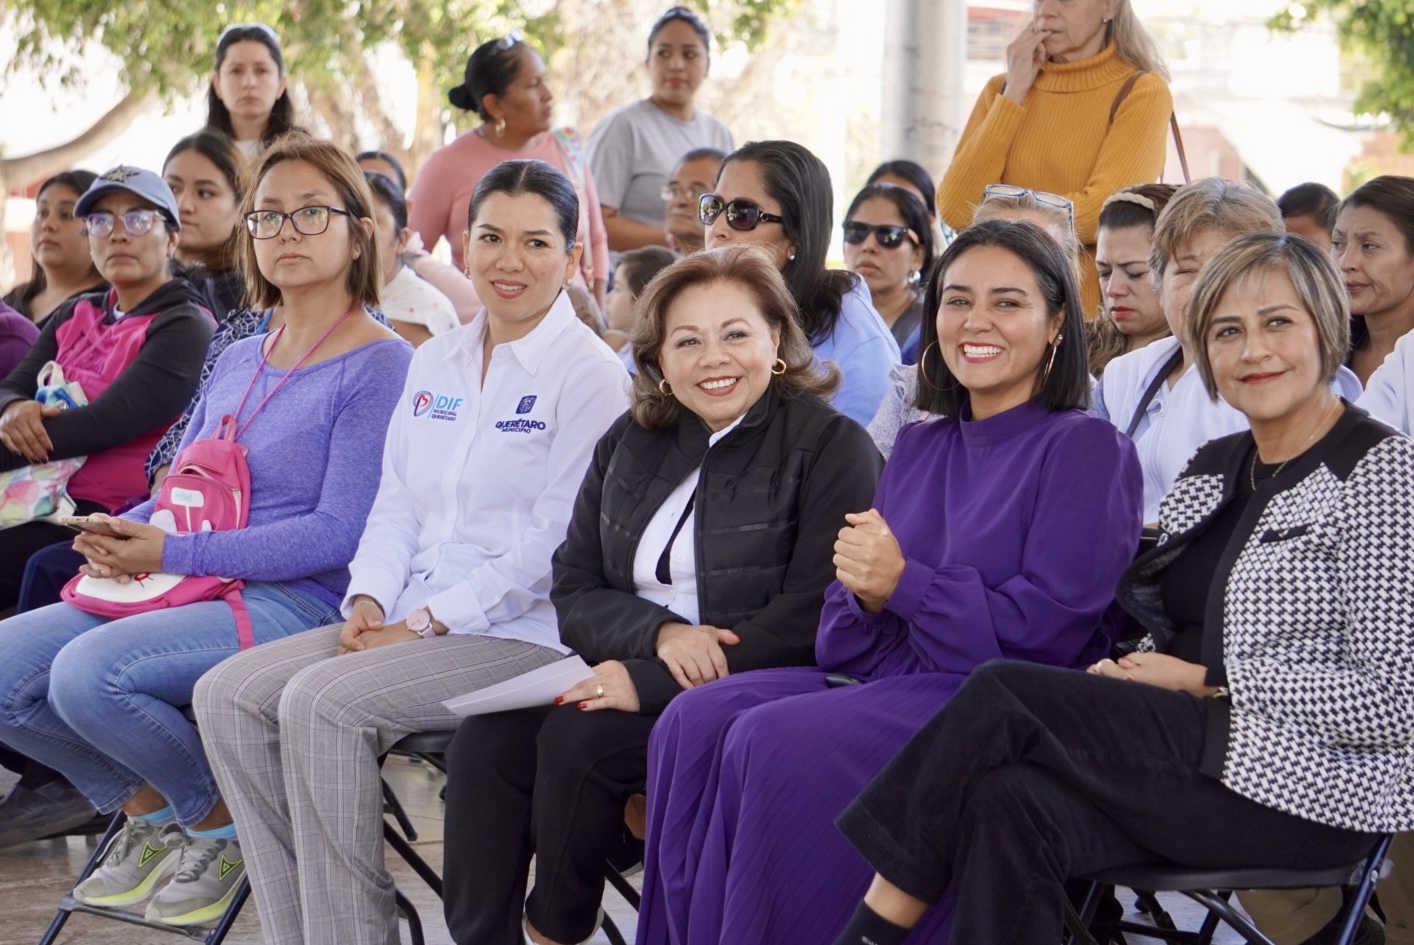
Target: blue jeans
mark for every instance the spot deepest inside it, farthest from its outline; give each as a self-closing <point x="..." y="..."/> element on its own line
<point x="100" y="700"/>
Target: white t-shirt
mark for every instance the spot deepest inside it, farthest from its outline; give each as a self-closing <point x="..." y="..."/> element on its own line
<point x="634" y="149"/>
<point x="407" y="297"/>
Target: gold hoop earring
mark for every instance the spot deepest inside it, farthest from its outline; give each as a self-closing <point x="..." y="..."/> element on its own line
<point x="500" y="128"/>
<point x="780" y="367"/>
<point x="923" y="369"/>
<point x="1051" y="362"/>
<point x="665" y="388"/>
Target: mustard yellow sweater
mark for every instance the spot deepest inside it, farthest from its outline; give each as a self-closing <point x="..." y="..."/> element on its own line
<point x="1061" y="140"/>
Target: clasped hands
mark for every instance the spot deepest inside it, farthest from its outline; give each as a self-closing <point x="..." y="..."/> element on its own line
<point x="1157" y="669"/>
<point x="692" y="653"/>
<point x="22" y="429"/>
<point x="364" y="630"/>
<point x="868" y="560"/>
<point x="139" y="551"/>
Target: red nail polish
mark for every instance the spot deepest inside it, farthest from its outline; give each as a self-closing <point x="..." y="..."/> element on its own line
<point x="583" y="706"/>
<point x="559" y="700"/>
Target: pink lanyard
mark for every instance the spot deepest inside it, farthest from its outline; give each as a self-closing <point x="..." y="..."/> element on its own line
<point x="265" y="359"/>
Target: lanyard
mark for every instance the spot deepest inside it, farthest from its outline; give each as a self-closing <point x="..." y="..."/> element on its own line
<point x="265" y="359"/>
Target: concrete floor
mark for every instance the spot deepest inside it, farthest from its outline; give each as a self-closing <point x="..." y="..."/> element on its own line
<point x="34" y="876"/>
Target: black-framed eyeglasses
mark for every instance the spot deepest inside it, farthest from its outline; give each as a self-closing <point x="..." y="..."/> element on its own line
<point x="137" y="222"/>
<point x="1044" y="197"/>
<point x="888" y="237"/>
<point x="309" y="221"/>
<point x="674" y="192"/>
<point x="741" y="214"/>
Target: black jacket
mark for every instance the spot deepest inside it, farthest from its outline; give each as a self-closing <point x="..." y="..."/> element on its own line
<point x="770" y="501"/>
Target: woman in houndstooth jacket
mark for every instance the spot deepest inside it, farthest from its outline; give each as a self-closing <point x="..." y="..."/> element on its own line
<point x="1277" y="726"/>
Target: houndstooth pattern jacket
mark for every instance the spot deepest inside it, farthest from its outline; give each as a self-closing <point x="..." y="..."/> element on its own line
<point x="1316" y="621"/>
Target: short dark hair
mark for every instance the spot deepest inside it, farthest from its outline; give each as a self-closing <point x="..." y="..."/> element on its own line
<point x="387" y="190"/>
<point x="800" y="182"/>
<point x="546" y="181"/>
<point x="640" y="265"/>
<point x="1067" y="384"/>
<point x="915" y="174"/>
<point x="490" y="70"/>
<point x="1310" y="200"/>
<point x="915" y="215"/>
<point x="704" y="154"/>
<point x="686" y="16"/>
<point x="282" y="115"/>
<point x="399" y="174"/>
<point x="743" y="265"/>
<point x="1393" y="196"/>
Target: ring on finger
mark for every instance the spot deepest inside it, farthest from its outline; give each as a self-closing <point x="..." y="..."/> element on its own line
<point x="599" y="690"/>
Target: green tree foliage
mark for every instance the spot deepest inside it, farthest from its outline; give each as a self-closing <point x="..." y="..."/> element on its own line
<point x="1381" y="31"/>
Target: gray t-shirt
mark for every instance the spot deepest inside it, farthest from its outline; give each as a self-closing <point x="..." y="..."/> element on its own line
<point x="634" y="149"/>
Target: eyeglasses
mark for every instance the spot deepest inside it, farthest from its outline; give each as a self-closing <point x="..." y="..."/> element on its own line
<point x="136" y="222"/>
<point x="888" y="237"/>
<point x="309" y="221"/>
<point x="260" y="27"/>
<point x="741" y="214"/>
<point x="1043" y="197"/>
<point x="509" y="40"/>
<point x="674" y="192"/>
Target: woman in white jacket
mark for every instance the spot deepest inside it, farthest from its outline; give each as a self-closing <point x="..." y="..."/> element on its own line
<point x="450" y="585"/>
<point x="1390" y="396"/>
<point x="1155" y="394"/>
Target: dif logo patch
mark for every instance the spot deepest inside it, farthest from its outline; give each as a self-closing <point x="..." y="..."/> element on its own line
<point x="438" y="406"/>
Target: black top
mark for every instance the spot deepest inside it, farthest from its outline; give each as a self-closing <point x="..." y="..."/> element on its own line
<point x="770" y="500"/>
<point x="153" y="389"/>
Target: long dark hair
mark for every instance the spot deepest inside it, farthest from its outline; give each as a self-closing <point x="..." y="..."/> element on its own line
<point x="220" y="150"/>
<point x="24" y="295"/>
<point x="1067" y="384"/>
<point x="915" y="215"/>
<point x="800" y="182"/>
<point x="915" y="174"/>
<point x="282" y="115"/>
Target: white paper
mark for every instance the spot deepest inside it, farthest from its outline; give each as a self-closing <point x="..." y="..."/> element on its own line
<point x="537" y="687"/>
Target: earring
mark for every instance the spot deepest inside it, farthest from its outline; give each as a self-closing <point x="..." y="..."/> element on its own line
<point x="665" y="388"/>
<point x="791" y="258"/>
<point x="780" y="367"/>
<point x="914" y="276"/>
<point x="1046" y="375"/>
<point x="923" y="369"/>
<point x="500" y="127"/>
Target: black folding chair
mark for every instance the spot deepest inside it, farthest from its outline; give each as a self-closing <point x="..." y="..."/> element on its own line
<point x="1212" y="889"/>
<point x="432" y="748"/>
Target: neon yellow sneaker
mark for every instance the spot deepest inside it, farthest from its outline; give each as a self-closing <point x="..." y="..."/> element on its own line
<point x="141" y="856"/>
<point x="203" y="884"/>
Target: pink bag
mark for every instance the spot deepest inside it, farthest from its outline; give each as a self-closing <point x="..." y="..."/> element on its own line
<point x="207" y="490"/>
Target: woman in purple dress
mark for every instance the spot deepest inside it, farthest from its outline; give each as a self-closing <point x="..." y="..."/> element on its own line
<point x="998" y="530"/>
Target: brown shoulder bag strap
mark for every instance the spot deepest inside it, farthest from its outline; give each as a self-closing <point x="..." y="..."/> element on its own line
<point x="1123" y="93"/>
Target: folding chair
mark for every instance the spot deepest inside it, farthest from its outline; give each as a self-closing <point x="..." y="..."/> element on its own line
<point x="432" y="748"/>
<point x="1212" y="889"/>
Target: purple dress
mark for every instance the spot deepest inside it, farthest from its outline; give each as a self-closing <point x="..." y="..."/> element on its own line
<point x="1015" y="530"/>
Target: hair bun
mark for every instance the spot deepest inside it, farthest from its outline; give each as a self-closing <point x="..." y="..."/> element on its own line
<point x="461" y="97"/>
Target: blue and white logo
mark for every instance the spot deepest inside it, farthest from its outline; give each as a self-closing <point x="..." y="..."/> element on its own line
<point x="421" y="402"/>
<point x="440" y="406"/>
<point x="527" y="403"/>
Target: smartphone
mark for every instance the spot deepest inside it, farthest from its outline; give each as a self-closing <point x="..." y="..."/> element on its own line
<point x="87" y="523"/>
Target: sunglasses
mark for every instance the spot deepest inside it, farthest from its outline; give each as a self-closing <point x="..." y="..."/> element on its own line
<point x="1043" y="197"/>
<point x="674" y="192"/>
<point x="888" y="237"/>
<point x="137" y="222"/>
<point x="741" y="214"/>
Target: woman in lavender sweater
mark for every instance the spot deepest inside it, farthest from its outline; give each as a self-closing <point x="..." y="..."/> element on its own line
<point x="100" y="700"/>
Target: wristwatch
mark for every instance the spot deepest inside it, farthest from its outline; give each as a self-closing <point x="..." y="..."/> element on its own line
<point x="420" y="623"/>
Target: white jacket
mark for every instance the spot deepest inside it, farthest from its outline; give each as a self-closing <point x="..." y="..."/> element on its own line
<point x="1178" y="420"/>
<point x="1390" y="396"/>
<point x="479" y="480"/>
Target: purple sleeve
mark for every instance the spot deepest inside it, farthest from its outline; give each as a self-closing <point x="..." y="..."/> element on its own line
<point x="1082" y="534"/>
<point x="325" y="537"/>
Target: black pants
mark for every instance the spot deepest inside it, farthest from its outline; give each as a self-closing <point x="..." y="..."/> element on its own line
<point x="1033" y="774"/>
<point x="548" y="781"/>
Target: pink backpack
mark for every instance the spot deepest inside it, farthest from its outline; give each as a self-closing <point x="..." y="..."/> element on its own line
<point x="207" y="490"/>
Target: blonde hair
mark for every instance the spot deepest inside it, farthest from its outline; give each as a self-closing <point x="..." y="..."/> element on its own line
<point x="1313" y="275"/>
<point x="1134" y="44"/>
<point x="1233" y="207"/>
<point x="339" y="168"/>
<point x="753" y="270"/>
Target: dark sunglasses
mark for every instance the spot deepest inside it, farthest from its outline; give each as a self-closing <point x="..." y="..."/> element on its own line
<point x="741" y="214"/>
<point x="889" y="237"/>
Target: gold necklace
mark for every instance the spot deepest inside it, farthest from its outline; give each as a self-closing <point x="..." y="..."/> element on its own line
<point x="1252" y="469"/>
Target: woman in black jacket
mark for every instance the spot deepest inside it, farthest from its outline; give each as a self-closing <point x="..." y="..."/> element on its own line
<point x="701" y="545"/>
<point x="1274" y="723"/>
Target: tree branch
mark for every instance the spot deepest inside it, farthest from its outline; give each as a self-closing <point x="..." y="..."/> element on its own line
<point x="26" y="169"/>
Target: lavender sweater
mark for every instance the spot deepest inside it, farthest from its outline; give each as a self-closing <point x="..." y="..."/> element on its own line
<point x="315" y="457"/>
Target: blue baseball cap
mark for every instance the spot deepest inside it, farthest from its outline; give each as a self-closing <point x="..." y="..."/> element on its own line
<point x="134" y="180"/>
